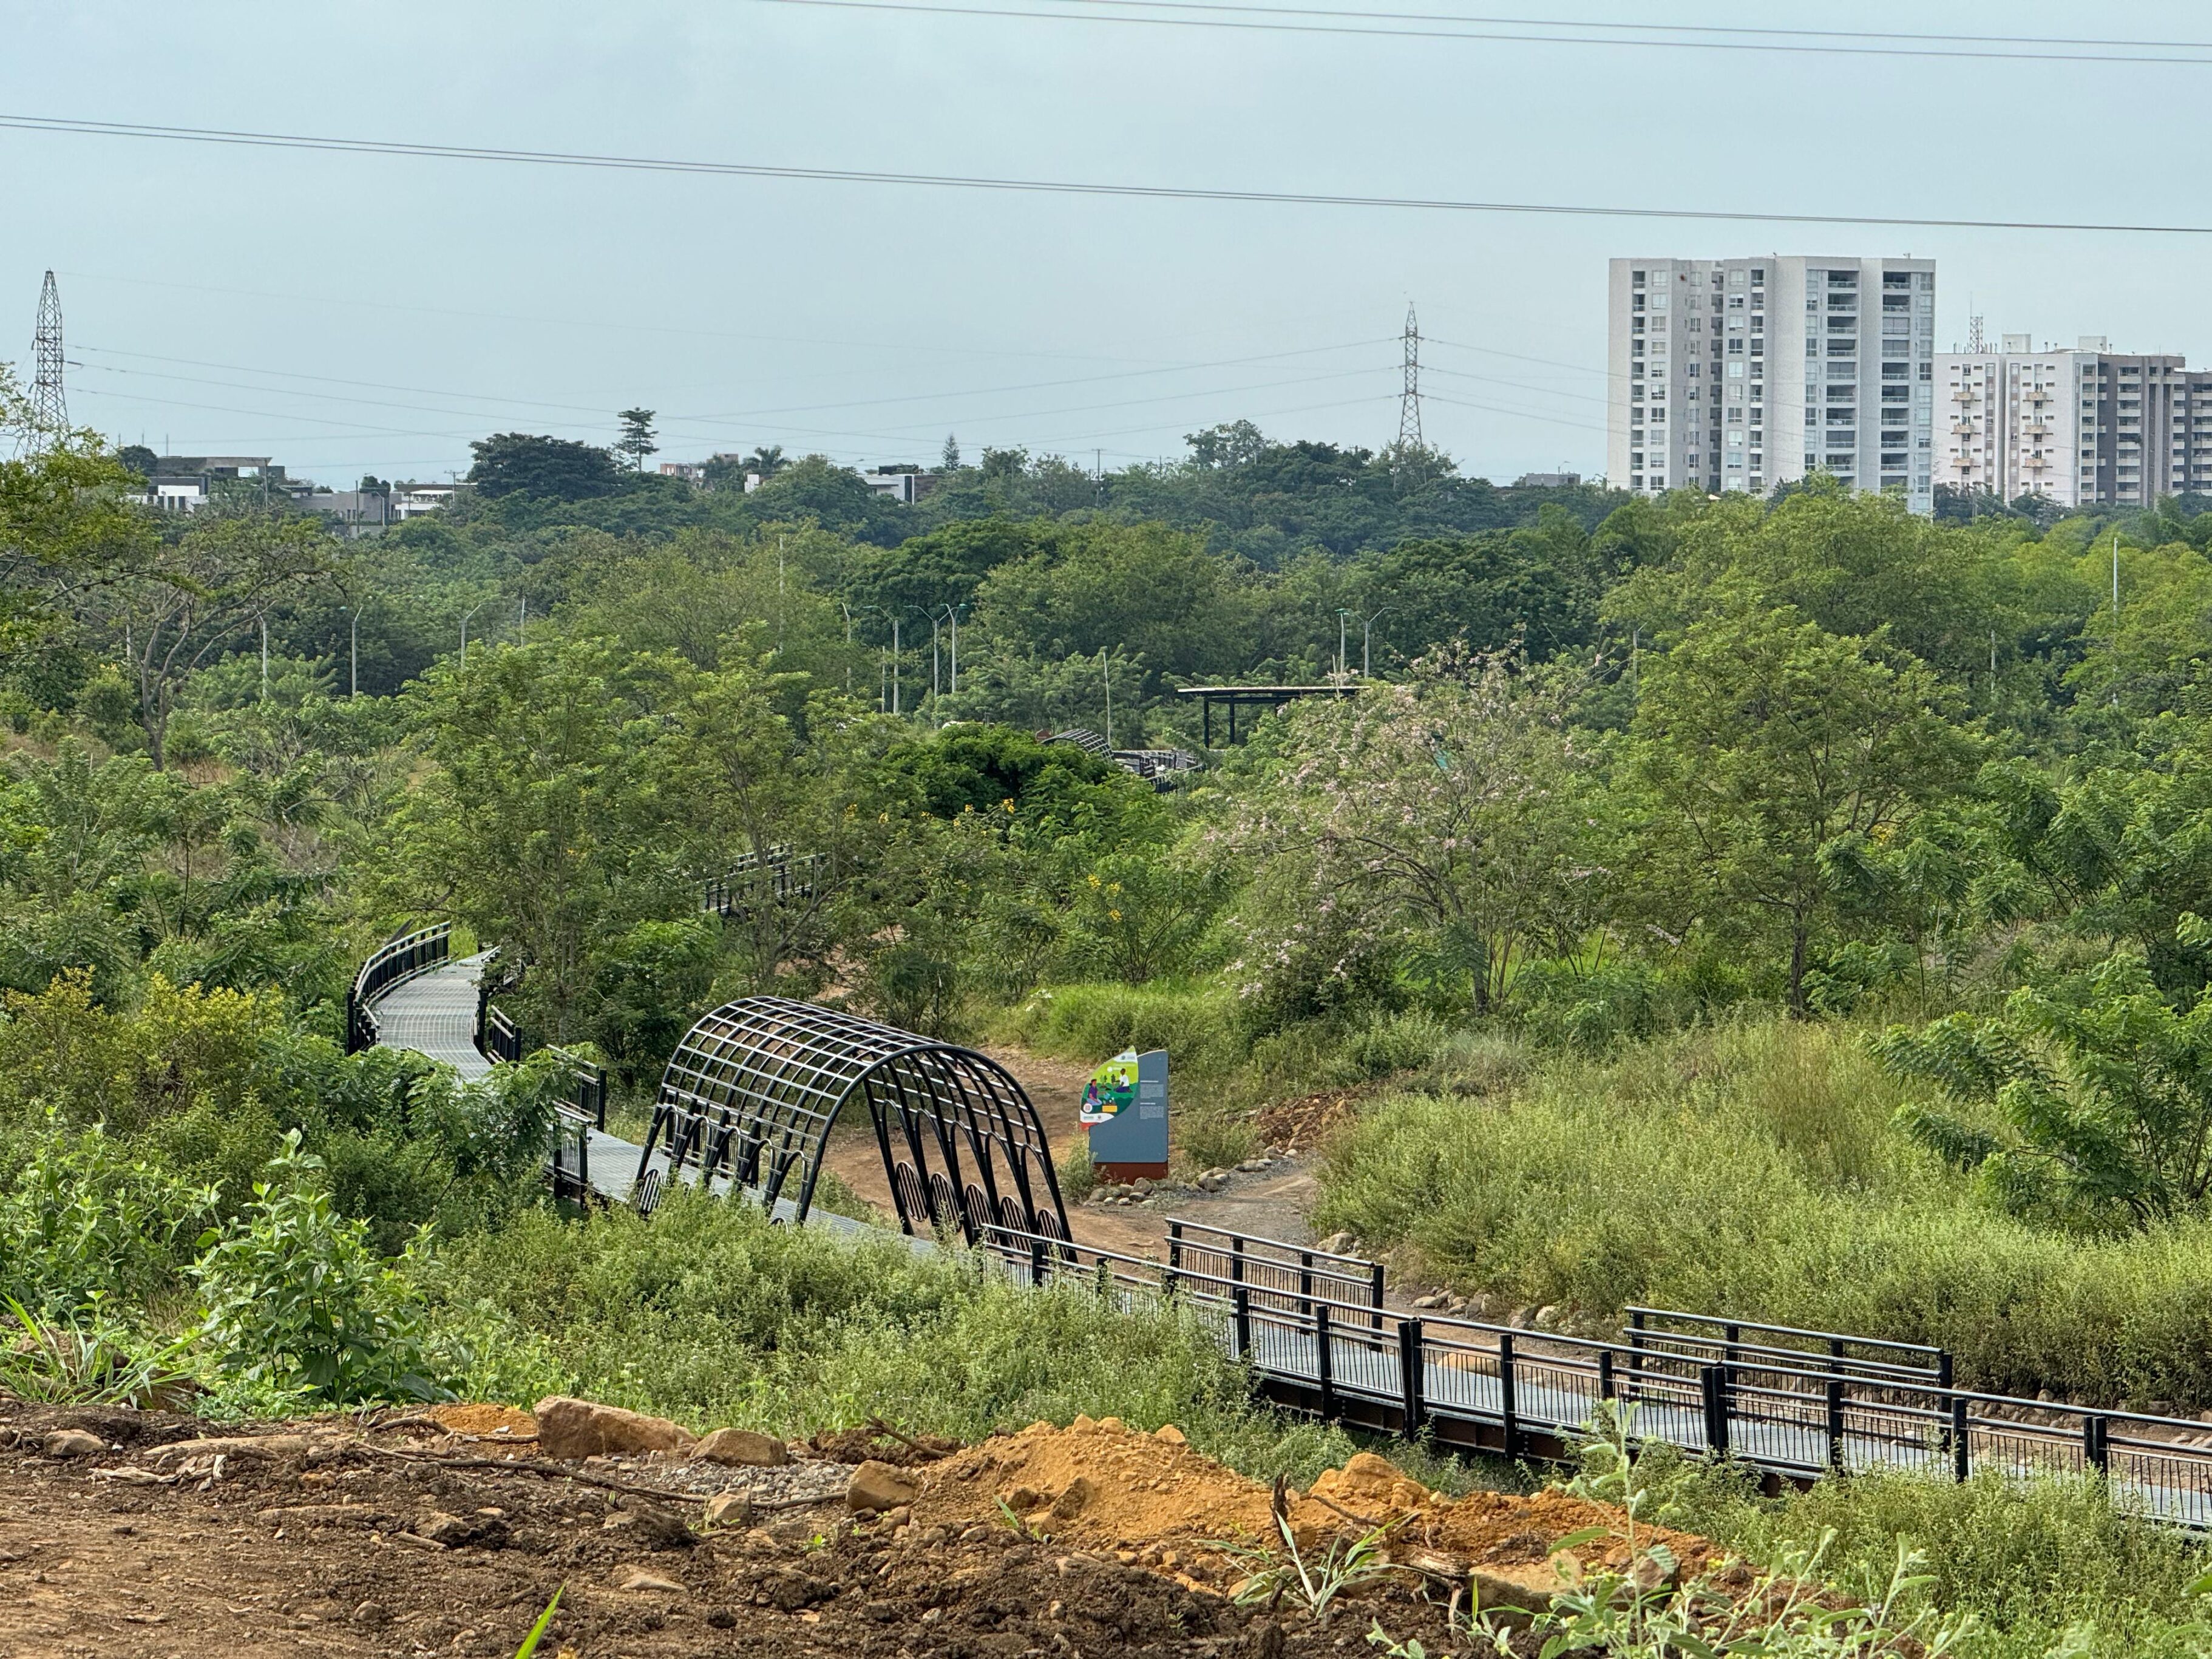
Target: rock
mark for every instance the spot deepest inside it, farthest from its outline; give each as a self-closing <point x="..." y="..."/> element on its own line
<point x="372" y="1612"/>
<point x="244" y="1445"/>
<point x="876" y="1485"/>
<point x="1211" y="1183"/>
<point x="1072" y="1501"/>
<point x="743" y="1448"/>
<point x="900" y="1516"/>
<point x="648" y="1526"/>
<point x="637" y="1578"/>
<point x="788" y="1589"/>
<point x="1547" y="1317"/>
<point x="1336" y="1243"/>
<point x="455" y="1530"/>
<point x="72" y="1442"/>
<point x="1022" y="1499"/>
<point x="1252" y="1165"/>
<point x="576" y="1429"/>
<point x="1172" y="1435"/>
<point x="1513" y="1593"/>
<point x="729" y="1509"/>
<point x="1431" y="1301"/>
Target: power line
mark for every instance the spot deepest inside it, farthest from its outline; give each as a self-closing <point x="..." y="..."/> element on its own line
<point x="1158" y="14"/>
<point x="1043" y="187"/>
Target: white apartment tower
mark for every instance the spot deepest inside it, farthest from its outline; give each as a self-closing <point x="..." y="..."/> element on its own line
<point x="1746" y="374"/>
<point x="2081" y="426"/>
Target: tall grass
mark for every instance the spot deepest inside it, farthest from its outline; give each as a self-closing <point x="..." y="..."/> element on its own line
<point x="710" y="1315"/>
<point x="2050" y="1569"/>
<point x="1751" y="1170"/>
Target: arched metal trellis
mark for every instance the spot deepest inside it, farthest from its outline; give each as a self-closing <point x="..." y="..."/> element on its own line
<point x="752" y="1092"/>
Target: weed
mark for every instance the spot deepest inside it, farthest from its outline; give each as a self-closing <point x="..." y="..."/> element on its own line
<point x="537" y="1630"/>
<point x="53" y="1364"/>
<point x="1314" y="1585"/>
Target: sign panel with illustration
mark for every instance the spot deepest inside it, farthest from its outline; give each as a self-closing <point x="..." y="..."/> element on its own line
<point x="1125" y="1108"/>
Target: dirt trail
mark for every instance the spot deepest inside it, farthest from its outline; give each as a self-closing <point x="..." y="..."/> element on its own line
<point x="316" y="1540"/>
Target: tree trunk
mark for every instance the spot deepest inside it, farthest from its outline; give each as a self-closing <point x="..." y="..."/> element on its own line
<point x="1797" y="941"/>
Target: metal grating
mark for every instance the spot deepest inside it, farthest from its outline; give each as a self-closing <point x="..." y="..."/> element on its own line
<point x="751" y="1093"/>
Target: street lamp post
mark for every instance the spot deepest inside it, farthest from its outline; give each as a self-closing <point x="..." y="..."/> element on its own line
<point x="471" y="612"/>
<point x="931" y="616"/>
<point x="1366" y="632"/>
<point x="956" y="609"/>
<point x="1342" y="616"/>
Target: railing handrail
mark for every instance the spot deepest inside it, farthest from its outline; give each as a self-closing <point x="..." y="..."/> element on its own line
<point x="1724" y="1321"/>
<point x="397" y="946"/>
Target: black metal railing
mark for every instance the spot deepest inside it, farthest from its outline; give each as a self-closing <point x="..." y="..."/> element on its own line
<point x="576" y="1120"/>
<point x="398" y="958"/>
<point x="778" y="876"/>
<point x="1788" y="1402"/>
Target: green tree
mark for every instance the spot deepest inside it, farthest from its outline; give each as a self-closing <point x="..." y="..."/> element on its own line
<point x="1775" y="757"/>
<point x="636" y="441"/>
<point x="2102" y="1092"/>
<point x="561" y="469"/>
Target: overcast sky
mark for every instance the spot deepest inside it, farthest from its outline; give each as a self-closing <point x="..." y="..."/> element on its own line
<point x="352" y="313"/>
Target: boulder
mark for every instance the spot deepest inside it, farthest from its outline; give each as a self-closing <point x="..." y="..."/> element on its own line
<point x="1172" y="1435"/>
<point x="729" y="1509"/>
<point x="73" y="1442"/>
<point x="876" y="1485"/>
<point x="577" y="1429"/>
<point x="744" y="1448"/>
<point x="1514" y="1592"/>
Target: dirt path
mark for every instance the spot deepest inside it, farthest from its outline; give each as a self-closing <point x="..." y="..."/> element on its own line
<point x="1272" y="1203"/>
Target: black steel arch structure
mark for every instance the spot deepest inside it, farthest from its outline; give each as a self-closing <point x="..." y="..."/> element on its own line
<point x="752" y="1092"/>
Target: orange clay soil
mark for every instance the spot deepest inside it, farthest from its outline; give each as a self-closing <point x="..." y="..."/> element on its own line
<point x="504" y="1421"/>
<point x="1105" y="1487"/>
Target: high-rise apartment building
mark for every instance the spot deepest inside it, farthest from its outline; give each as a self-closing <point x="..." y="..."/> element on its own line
<point x="2082" y="426"/>
<point x="1746" y="374"/>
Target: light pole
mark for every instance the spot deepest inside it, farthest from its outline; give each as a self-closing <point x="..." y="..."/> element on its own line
<point x="956" y="609"/>
<point x="1106" y="675"/>
<point x="264" y="658"/>
<point x="1367" y="633"/>
<point x="849" y="614"/>
<point x="471" y="612"/>
<point x="353" y="652"/>
<point x="1342" y="616"/>
<point x="894" y="664"/>
<point x="931" y="617"/>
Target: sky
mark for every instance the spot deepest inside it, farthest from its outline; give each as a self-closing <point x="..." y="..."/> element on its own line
<point x="355" y="313"/>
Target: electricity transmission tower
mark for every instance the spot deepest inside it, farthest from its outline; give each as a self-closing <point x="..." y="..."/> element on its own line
<point x="1409" y="401"/>
<point x="49" y="407"/>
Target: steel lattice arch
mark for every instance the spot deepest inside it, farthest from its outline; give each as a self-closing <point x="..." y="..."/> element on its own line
<point x="752" y="1092"/>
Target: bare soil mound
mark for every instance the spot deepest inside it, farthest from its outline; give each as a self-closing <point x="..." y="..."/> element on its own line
<point x="133" y="1534"/>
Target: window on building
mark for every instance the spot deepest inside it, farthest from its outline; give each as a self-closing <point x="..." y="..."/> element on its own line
<point x="1636" y="279"/>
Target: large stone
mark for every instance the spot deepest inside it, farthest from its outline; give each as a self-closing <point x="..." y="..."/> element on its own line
<point x="1512" y="1593"/>
<point x="73" y="1442"/>
<point x="879" y="1486"/>
<point x="729" y="1509"/>
<point x="577" y="1429"/>
<point x="1074" y="1500"/>
<point x="743" y="1447"/>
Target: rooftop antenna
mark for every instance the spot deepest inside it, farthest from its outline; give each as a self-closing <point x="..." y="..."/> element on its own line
<point x="49" y="406"/>
<point x="1409" y="401"/>
<point x="1977" y="342"/>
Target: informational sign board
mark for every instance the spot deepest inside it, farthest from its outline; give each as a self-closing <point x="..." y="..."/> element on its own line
<point x="1125" y="1108"/>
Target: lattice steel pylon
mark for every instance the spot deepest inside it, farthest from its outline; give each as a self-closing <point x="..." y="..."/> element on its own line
<point x="1409" y="401"/>
<point x="49" y="403"/>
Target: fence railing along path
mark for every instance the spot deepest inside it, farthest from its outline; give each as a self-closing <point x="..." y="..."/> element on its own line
<point x="1791" y="1403"/>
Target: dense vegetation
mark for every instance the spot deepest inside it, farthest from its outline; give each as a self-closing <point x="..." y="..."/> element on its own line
<point x="1790" y="907"/>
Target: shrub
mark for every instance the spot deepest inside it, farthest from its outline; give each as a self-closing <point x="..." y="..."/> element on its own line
<point x="297" y="1306"/>
<point x="82" y="1223"/>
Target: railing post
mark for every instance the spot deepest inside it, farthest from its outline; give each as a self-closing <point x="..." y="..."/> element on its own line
<point x="1241" y="1299"/>
<point x="1943" y="1378"/>
<point x="1734" y="1336"/>
<point x="1712" y="1387"/>
<point x="2096" y="1442"/>
<point x="1508" y="1415"/>
<point x="1040" y="1260"/>
<point x="1305" y="1283"/>
<point x="1835" y="1392"/>
<point x="1605" y="1384"/>
<point x="1636" y="1355"/>
<point x="1410" y="1405"/>
<point x="1323" y="1364"/>
<point x="1960" y="1464"/>
<point x="1175" y="1258"/>
<point x="1375" y="1274"/>
<point x="1237" y="1258"/>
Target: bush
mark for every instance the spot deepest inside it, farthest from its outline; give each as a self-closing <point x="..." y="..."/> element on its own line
<point x="82" y="1223"/>
<point x="1193" y="1023"/>
<point x="297" y="1306"/>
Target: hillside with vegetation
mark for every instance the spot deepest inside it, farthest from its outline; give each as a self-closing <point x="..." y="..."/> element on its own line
<point x="1795" y="909"/>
